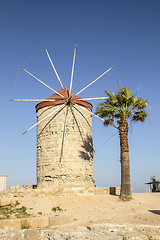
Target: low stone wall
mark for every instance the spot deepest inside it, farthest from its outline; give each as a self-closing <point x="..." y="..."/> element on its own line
<point x="94" y="232"/>
<point x="107" y="190"/>
<point x="36" y="222"/>
<point x="59" y="191"/>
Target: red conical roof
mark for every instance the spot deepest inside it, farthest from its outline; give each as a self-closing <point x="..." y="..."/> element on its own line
<point x="60" y="100"/>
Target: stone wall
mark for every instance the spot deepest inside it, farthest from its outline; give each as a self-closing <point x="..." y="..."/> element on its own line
<point x="74" y="166"/>
<point x="11" y="195"/>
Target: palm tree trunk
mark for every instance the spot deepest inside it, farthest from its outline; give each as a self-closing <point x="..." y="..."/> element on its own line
<point x="126" y="192"/>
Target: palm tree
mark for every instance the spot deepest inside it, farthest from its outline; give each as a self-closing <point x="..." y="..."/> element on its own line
<point x="121" y="107"/>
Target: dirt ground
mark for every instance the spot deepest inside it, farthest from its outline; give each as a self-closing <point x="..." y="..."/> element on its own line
<point x="144" y="208"/>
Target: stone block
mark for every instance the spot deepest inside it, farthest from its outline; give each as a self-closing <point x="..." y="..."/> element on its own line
<point x="60" y="220"/>
<point x="118" y="190"/>
<point x="10" y="195"/>
<point x="14" y="223"/>
<point x="10" y="233"/>
<point x="101" y="190"/>
<point x="5" y="202"/>
<point x="35" y="223"/>
<point x="80" y="194"/>
<point x="27" y="187"/>
<point x="31" y="234"/>
<point x="14" y="187"/>
<point x="77" y="188"/>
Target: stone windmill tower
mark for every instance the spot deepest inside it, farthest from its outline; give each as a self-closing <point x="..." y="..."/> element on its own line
<point x="64" y="142"/>
<point x="64" y="135"/>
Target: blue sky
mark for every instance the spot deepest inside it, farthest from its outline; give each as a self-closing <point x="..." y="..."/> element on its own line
<point x="121" y="33"/>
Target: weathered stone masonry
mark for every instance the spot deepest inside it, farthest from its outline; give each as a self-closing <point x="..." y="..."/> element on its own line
<point x="75" y="168"/>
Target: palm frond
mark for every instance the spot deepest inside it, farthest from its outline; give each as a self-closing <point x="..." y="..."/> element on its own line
<point x="123" y="105"/>
<point x="109" y="121"/>
<point x="105" y="109"/>
<point x="112" y="98"/>
<point x="125" y="96"/>
<point x="139" y="116"/>
<point x="139" y="103"/>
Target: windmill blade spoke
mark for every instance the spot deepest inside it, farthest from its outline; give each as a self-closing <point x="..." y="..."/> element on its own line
<point x="83" y="129"/>
<point x="72" y="69"/>
<point x="77" y="124"/>
<point x="41" y="82"/>
<point x="94" y="98"/>
<point x="32" y="100"/>
<point x="82" y="116"/>
<point x="64" y="131"/>
<point x="91" y="113"/>
<point x="43" y="119"/>
<point x="54" y="68"/>
<point x="94" y="80"/>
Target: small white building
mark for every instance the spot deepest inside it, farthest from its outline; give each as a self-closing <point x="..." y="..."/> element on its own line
<point x="3" y="182"/>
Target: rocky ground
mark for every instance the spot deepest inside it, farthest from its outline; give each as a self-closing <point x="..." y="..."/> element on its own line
<point x="90" y="217"/>
<point x="92" y="232"/>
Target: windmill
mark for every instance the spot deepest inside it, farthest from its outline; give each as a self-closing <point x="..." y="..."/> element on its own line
<point x="64" y="135"/>
<point x="154" y="184"/>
